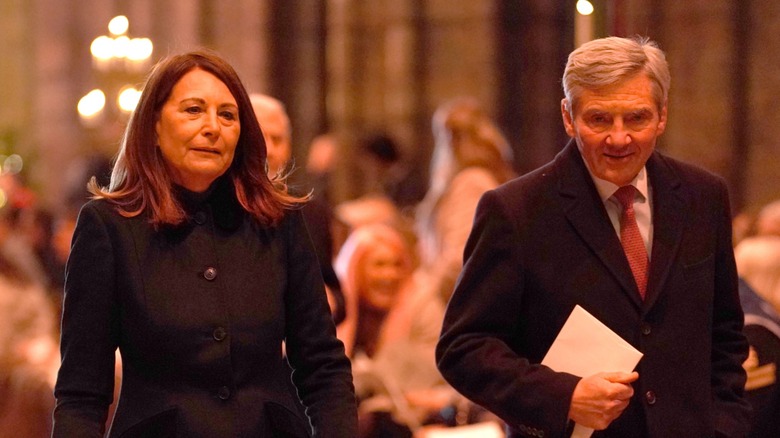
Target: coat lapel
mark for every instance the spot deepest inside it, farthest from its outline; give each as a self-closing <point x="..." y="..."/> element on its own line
<point x="669" y="217"/>
<point x="586" y="213"/>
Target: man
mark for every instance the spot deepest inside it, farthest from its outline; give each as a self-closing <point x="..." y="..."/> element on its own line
<point x="277" y="131"/>
<point x="550" y="240"/>
<point x="275" y="124"/>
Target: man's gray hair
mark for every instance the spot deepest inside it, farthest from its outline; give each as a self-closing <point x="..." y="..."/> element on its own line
<point x="608" y="61"/>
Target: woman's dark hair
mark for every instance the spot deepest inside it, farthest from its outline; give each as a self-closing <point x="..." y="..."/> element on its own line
<point x="140" y="180"/>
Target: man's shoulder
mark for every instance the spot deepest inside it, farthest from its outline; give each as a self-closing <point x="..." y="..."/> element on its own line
<point x="687" y="172"/>
<point x="539" y="182"/>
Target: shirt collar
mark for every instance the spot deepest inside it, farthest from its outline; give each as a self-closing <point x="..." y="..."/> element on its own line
<point x="606" y="189"/>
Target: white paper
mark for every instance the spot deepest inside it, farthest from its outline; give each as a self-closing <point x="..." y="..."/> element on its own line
<point x="585" y="346"/>
<point x="486" y="429"/>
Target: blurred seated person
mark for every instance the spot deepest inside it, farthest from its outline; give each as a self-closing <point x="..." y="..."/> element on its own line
<point x="390" y="334"/>
<point x="758" y="264"/>
<point x="768" y="220"/>
<point x="38" y="225"/>
<point x="28" y="355"/>
<point x="16" y="247"/>
<point x="277" y="131"/>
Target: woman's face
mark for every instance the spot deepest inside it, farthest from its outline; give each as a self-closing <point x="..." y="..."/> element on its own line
<point x="198" y="130"/>
<point x="382" y="274"/>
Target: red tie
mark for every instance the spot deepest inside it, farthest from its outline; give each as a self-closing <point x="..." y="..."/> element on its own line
<point x="631" y="239"/>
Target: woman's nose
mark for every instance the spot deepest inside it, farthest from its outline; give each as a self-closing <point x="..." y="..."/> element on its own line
<point x="211" y="123"/>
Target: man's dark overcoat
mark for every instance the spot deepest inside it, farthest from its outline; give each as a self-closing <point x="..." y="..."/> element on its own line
<point x="543" y="243"/>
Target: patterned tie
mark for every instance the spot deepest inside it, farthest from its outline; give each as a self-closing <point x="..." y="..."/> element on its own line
<point x="631" y="239"/>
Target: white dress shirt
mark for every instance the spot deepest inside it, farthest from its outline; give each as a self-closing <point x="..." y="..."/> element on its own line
<point x="642" y="205"/>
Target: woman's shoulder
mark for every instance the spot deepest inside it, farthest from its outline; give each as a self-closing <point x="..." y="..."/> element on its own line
<point x="475" y="176"/>
<point x="107" y="214"/>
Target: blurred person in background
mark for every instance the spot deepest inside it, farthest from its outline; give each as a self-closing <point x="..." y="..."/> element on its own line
<point x="470" y="157"/>
<point x="275" y="124"/>
<point x="768" y="219"/>
<point x="321" y="162"/>
<point x="758" y="264"/>
<point x="38" y="227"/>
<point x="197" y="268"/>
<point x="28" y="355"/>
<point x="15" y="245"/>
<point x="390" y="333"/>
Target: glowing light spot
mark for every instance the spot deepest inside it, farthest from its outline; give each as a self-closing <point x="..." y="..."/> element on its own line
<point x="584" y="7"/>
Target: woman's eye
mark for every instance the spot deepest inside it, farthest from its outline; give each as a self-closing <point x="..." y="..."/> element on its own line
<point x="229" y="115"/>
<point x="192" y="110"/>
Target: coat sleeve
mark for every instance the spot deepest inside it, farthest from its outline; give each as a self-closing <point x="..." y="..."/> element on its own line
<point x="729" y="345"/>
<point x="85" y="382"/>
<point x="477" y="352"/>
<point x="321" y="370"/>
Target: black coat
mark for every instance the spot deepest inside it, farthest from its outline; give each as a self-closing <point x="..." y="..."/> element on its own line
<point x="199" y="313"/>
<point x="543" y="243"/>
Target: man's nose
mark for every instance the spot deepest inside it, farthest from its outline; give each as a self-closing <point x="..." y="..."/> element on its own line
<point x="619" y="136"/>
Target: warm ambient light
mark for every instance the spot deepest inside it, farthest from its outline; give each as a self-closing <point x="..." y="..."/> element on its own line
<point x="119" y="46"/>
<point x="128" y="99"/>
<point x="584" y="7"/>
<point x="118" y="58"/>
<point x="92" y="104"/>
<point x="118" y="25"/>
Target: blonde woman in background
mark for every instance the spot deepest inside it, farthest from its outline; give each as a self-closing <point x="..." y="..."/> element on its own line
<point x="390" y="333"/>
<point x="470" y="157"/>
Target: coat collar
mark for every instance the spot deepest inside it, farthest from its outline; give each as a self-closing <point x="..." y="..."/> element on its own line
<point x="586" y="213"/>
<point x="219" y="199"/>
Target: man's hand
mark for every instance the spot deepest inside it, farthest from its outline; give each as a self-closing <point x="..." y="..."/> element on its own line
<point x="601" y="398"/>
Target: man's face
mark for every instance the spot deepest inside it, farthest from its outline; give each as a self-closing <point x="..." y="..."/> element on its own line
<point x="616" y="128"/>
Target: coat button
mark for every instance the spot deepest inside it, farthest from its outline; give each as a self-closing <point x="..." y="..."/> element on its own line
<point x="646" y="329"/>
<point x="210" y="273"/>
<point x="219" y="334"/>
<point x="650" y="397"/>
<point x="223" y="393"/>
<point x="200" y="218"/>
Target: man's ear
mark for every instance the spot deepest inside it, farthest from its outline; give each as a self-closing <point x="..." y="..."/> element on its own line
<point x="662" y="120"/>
<point x="568" y="122"/>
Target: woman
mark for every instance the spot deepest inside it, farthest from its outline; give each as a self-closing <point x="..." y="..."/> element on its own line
<point x="470" y="157"/>
<point x="197" y="268"/>
<point x="390" y="333"/>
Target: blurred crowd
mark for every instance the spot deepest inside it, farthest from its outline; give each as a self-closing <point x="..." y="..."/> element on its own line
<point x="390" y="259"/>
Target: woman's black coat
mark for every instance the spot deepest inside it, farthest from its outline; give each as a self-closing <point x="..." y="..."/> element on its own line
<point x="199" y="313"/>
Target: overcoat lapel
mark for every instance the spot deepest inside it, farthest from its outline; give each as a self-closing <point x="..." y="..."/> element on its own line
<point x="669" y="219"/>
<point x="586" y="213"/>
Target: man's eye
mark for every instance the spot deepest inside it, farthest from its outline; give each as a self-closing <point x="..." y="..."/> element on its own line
<point x="638" y="118"/>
